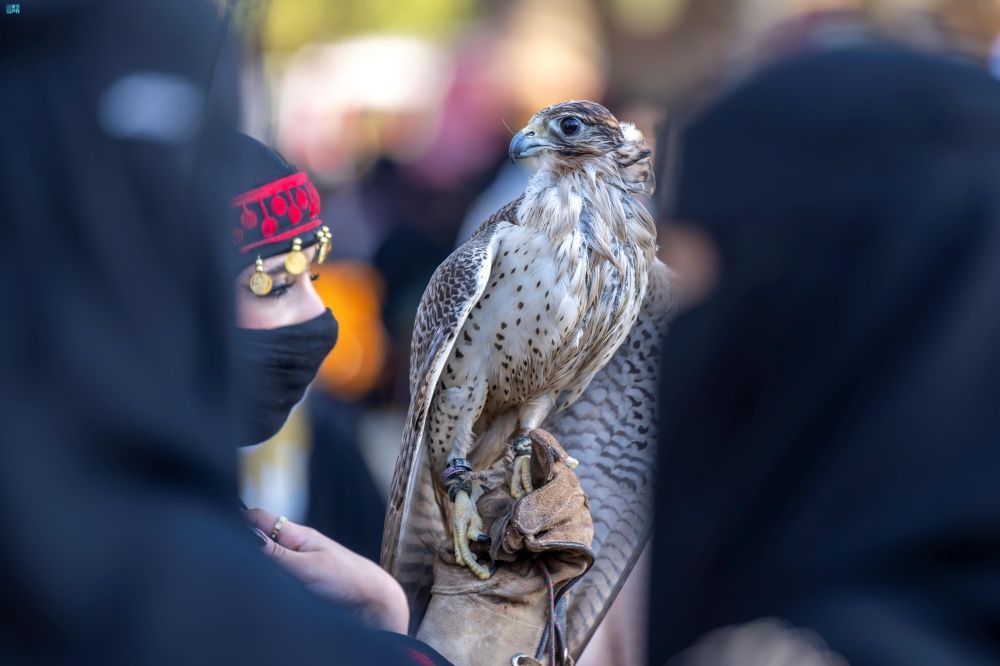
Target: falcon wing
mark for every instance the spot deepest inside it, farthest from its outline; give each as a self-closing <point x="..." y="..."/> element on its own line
<point x="414" y="525"/>
<point x="611" y="430"/>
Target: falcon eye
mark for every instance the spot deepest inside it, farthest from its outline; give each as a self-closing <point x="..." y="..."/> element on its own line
<point x="570" y="126"/>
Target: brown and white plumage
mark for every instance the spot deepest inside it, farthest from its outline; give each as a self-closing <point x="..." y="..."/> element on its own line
<point x="516" y="323"/>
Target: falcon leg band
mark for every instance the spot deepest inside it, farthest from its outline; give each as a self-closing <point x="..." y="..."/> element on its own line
<point x="457" y="476"/>
<point x="522" y="445"/>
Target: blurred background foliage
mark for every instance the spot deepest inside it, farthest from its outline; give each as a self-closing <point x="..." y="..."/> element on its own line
<point x="291" y="24"/>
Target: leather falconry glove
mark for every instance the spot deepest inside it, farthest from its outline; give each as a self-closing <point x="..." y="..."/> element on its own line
<point x="540" y="545"/>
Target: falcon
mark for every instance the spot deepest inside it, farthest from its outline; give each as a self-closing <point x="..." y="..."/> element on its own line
<point x="515" y="324"/>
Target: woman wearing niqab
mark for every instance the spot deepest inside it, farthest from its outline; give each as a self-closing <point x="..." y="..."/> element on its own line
<point x="829" y="413"/>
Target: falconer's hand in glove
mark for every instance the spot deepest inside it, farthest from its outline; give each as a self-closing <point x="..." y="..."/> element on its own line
<point x="539" y="545"/>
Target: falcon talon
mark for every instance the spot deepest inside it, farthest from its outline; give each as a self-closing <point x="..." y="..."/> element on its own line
<point x="520" y="477"/>
<point x="526" y="474"/>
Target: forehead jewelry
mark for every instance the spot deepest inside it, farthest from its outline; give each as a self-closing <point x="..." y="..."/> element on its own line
<point x="260" y="281"/>
<point x="324" y="237"/>
<point x="295" y="262"/>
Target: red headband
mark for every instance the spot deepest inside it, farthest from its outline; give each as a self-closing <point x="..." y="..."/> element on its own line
<point x="275" y="212"/>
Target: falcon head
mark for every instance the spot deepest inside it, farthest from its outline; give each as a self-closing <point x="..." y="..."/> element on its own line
<point x="571" y="132"/>
<point x="569" y="129"/>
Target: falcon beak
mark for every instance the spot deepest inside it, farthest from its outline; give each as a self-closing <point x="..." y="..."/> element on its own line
<point x="526" y="143"/>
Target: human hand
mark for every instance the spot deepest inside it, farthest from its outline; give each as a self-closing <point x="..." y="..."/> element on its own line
<point x="332" y="571"/>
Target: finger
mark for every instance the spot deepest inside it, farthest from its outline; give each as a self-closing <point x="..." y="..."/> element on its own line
<point x="292" y="535"/>
<point x="301" y="565"/>
<point x="297" y="564"/>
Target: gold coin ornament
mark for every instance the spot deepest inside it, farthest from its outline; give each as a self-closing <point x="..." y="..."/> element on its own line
<point x="260" y="282"/>
<point x="324" y="237"/>
<point x="296" y="262"/>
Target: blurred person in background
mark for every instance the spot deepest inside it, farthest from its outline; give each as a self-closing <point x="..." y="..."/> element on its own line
<point x="769" y="28"/>
<point x="828" y="461"/>
<point x="123" y="544"/>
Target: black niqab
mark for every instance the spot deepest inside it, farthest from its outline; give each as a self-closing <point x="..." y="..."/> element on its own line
<point x="829" y="415"/>
<point x="274" y="367"/>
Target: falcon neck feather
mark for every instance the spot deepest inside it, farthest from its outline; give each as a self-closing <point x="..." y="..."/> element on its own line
<point x="596" y="196"/>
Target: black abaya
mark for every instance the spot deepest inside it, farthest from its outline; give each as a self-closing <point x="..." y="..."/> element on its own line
<point x="829" y="416"/>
